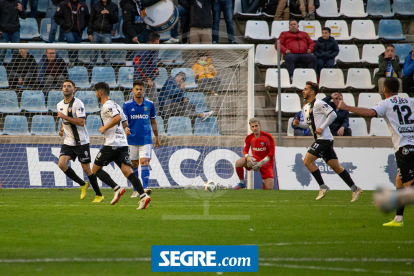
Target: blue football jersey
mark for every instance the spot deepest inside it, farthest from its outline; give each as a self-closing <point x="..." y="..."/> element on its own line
<point x="139" y="117"/>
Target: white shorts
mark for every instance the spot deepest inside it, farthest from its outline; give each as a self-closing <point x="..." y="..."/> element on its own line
<point x="138" y="152"/>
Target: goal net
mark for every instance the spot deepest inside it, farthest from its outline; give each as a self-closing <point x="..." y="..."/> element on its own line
<point x="203" y="98"/>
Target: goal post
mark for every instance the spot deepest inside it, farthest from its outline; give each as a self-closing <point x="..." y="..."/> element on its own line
<point x="193" y="148"/>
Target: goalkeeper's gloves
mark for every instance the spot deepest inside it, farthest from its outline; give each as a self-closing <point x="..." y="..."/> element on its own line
<point x="251" y="161"/>
<point x="258" y="165"/>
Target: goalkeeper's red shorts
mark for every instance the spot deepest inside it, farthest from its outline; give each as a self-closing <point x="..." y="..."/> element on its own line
<point x="265" y="172"/>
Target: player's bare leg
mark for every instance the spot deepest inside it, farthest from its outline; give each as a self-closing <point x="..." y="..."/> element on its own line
<point x="128" y="173"/>
<point x="240" y="165"/>
<point x="268" y="183"/>
<point x="398" y="219"/>
<point x="63" y="165"/>
<point x="135" y="165"/>
<point x="356" y="191"/>
<point x="94" y="182"/>
<point x="309" y="162"/>
<point x="104" y="177"/>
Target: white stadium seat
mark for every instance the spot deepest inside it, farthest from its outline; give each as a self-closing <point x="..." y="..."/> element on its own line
<point x="272" y="78"/>
<point x="320" y="96"/>
<point x="353" y="8"/>
<point x="368" y="100"/>
<point x="258" y="30"/>
<point x="328" y="8"/>
<point x="349" y="99"/>
<point x="266" y="54"/>
<point x="313" y="28"/>
<point x="358" y="126"/>
<point x="363" y="30"/>
<point x="278" y="27"/>
<point x="339" y="29"/>
<point x="290" y="103"/>
<point x="359" y="78"/>
<point x="301" y="76"/>
<point x="290" y="130"/>
<point x="370" y="53"/>
<point x="348" y="53"/>
<point x="379" y="127"/>
<point x="332" y="78"/>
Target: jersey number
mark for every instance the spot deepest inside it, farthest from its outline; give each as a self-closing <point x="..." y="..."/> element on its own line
<point x="406" y="119"/>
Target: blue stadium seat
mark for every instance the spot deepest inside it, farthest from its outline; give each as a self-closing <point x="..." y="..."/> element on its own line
<point x="179" y="126"/>
<point x="16" y="125"/>
<point x="207" y="128"/>
<point x="117" y="56"/>
<point x="43" y="5"/>
<point x="162" y="78"/>
<point x="37" y="53"/>
<point x="118" y="97"/>
<point x="45" y="25"/>
<point x="85" y="32"/>
<point x="402" y="50"/>
<point x="33" y="101"/>
<point x="86" y="55"/>
<point x="28" y="28"/>
<point x="79" y="75"/>
<point x="390" y="29"/>
<point x="190" y="79"/>
<point x="126" y="77"/>
<point x="379" y="8"/>
<point x="8" y="102"/>
<point x="106" y="74"/>
<point x="4" y="83"/>
<point x="198" y="99"/>
<point x="93" y="123"/>
<point x="403" y="7"/>
<point x="63" y="53"/>
<point x="89" y="100"/>
<point x="171" y="57"/>
<point x="8" y="56"/>
<point x="53" y="98"/>
<point x="160" y="126"/>
<point x="43" y="125"/>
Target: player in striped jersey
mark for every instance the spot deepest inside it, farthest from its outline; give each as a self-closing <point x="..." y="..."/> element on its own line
<point x="76" y="144"/>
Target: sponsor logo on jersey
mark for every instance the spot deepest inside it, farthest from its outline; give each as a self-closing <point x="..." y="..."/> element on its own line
<point x="145" y="108"/>
<point x="262" y="143"/>
<point x="70" y="109"/>
<point x="260" y="149"/>
<point x="139" y="116"/>
<point x="133" y="109"/>
<point x="405" y="129"/>
<point x="86" y="153"/>
<point x="325" y="106"/>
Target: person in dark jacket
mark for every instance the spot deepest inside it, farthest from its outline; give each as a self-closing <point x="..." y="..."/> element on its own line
<point x="408" y="79"/>
<point x="200" y="20"/>
<point x="146" y="63"/>
<point x="50" y="13"/>
<point x="10" y="11"/>
<point x="51" y="71"/>
<point x="21" y="70"/>
<point x="299" y="7"/>
<point x="339" y="127"/>
<point x="326" y="49"/>
<point x="389" y="66"/>
<point x="73" y="18"/>
<point x="104" y="14"/>
<point x="225" y="6"/>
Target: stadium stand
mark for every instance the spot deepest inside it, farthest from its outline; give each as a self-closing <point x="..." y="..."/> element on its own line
<point x="278" y="27"/>
<point x="53" y="98"/>
<point x="9" y="102"/>
<point x="328" y="8"/>
<point x="358" y="126"/>
<point x="207" y="128"/>
<point x="290" y="131"/>
<point x="403" y="7"/>
<point x="353" y="8"/>
<point x="190" y="79"/>
<point x="43" y="125"/>
<point x="16" y="125"/>
<point x="379" y="127"/>
<point x="33" y="101"/>
<point x="380" y="8"/>
<point x="257" y="30"/>
<point x="301" y="76"/>
<point x="363" y="30"/>
<point x="171" y="57"/>
<point x="348" y="54"/>
<point x="89" y="100"/>
<point x="4" y="83"/>
<point x="160" y="125"/>
<point x="93" y="123"/>
<point x="339" y="29"/>
<point x="106" y="74"/>
<point x="402" y="50"/>
<point x="198" y="99"/>
<point x="179" y="126"/>
<point x="390" y="29"/>
<point x="266" y="55"/>
<point x="359" y="78"/>
<point x="162" y="78"/>
<point x="290" y="103"/>
<point x="118" y="97"/>
<point x="368" y="100"/>
<point x="312" y="28"/>
<point x="79" y="75"/>
<point x="370" y="53"/>
<point x="29" y="28"/>
<point x="332" y="78"/>
<point x="126" y="77"/>
<point x="272" y="78"/>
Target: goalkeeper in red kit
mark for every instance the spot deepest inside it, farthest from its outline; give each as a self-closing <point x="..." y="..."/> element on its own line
<point x="261" y="159"/>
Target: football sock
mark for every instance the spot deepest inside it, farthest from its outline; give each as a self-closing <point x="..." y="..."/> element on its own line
<point x="240" y="173"/>
<point x="72" y="175"/>
<point x="136" y="183"/>
<point x="105" y="178"/>
<point x="318" y="178"/>
<point x="145" y="172"/>
<point x="400" y="210"/>
<point x="348" y="180"/>
<point x="136" y="173"/>
<point x="94" y="182"/>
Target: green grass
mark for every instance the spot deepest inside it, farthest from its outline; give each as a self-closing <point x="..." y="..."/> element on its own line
<point x="55" y="223"/>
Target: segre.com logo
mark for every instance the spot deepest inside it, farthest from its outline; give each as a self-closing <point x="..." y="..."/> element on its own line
<point x="205" y="258"/>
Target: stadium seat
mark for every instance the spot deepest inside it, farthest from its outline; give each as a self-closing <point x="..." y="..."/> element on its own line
<point x="45" y="25"/>
<point x="402" y="50"/>
<point x="266" y="54"/>
<point x="353" y="8"/>
<point x="207" y="128"/>
<point x="359" y="78"/>
<point x="190" y="79"/>
<point x="126" y="77"/>
<point x="368" y="100"/>
<point x="37" y="53"/>
<point x="33" y="101"/>
<point x="118" y="97"/>
<point x="89" y="100"/>
<point x="16" y="125"/>
<point x="348" y="54"/>
<point x="348" y="99"/>
<point x="257" y="30"/>
<point x="4" y="83"/>
<point x="117" y="56"/>
<point x="379" y="8"/>
<point x="85" y="34"/>
<point x="390" y="29"/>
<point x="8" y="56"/>
<point x="363" y="30"/>
<point x="272" y="78"/>
<point x="403" y="7"/>
<point x="332" y="79"/>
<point x="63" y="54"/>
<point x="160" y="126"/>
<point x="43" y="5"/>
<point x="320" y="96"/>
<point x="179" y="126"/>
<point x="290" y="103"/>
<point x="375" y="71"/>
<point x="358" y="126"/>
<point x="162" y="78"/>
<point x="328" y="8"/>
<point x="28" y="28"/>
<point x="93" y="123"/>
<point x="278" y="27"/>
<point x="43" y="125"/>
<point x="9" y="102"/>
<point x="339" y="29"/>
<point x="379" y="127"/>
<point x="290" y="130"/>
<point x="106" y="74"/>
<point x="53" y="98"/>
<point x="403" y="95"/>
<point x="198" y="99"/>
<point x="79" y="75"/>
<point x="370" y="53"/>
<point x="313" y="28"/>
<point x="171" y="57"/>
<point x="301" y="76"/>
<point x="238" y="12"/>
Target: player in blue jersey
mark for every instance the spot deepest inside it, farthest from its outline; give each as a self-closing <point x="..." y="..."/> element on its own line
<point x="141" y="118"/>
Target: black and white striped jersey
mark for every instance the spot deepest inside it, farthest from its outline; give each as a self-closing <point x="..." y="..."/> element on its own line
<point x="74" y="135"/>
<point x="115" y="136"/>
<point x="315" y="115"/>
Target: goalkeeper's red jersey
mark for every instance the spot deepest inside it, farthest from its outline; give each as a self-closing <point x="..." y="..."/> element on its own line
<point x="261" y="147"/>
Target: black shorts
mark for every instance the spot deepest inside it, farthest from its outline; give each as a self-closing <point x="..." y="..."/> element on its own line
<point x="405" y="163"/>
<point x="82" y="152"/>
<point x="323" y="149"/>
<point x="109" y="154"/>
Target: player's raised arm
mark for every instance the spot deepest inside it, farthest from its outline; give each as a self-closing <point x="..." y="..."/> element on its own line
<point x="365" y="112"/>
<point x="115" y="121"/>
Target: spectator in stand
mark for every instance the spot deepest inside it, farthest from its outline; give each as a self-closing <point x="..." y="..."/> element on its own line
<point x="104" y="14"/>
<point x="299" y="7"/>
<point x="225" y="6"/>
<point x="297" y="47"/>
<point x="174" y="31"/>
<point x="408" y="78"/>
<point x="326" y="49"/>
<point x="21" y="70"/>
<point x="298" y="131"/>
<point x="146" y="63"/>
<point x="33" y="7"/>
<point x="10" y="11"/>
<point x="205" y="74"/>
<point x="200" y="20"/>
<point x="73" y="18"/>
<point x="50" y="13"/>
<point x="51" y="71"/>
<point x="279" y="8"/>
<point x="389" y="66"/>
<point x="339" y="127"/>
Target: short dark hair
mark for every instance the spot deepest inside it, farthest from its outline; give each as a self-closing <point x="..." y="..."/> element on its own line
<point x="326" y="29"/>
<point x="153" y="37"/>
<point x="182" y="74"/>
<point x="67" y="80"/>
<point x="104" y="87"/>
<point x="389" y="45"/>
<point x="138" y="82"/>
<point x="314" y="86"/>
<point x="392" y="85"/>
<point x="290" y="20"/>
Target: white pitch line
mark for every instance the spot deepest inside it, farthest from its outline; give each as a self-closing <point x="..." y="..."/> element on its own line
<point x="64" y="260"/>
<point x="336" y="242"/>
<point x="379" y="260"/>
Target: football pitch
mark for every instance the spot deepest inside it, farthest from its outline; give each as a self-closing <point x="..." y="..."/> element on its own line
<point x="53" y="232"/>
